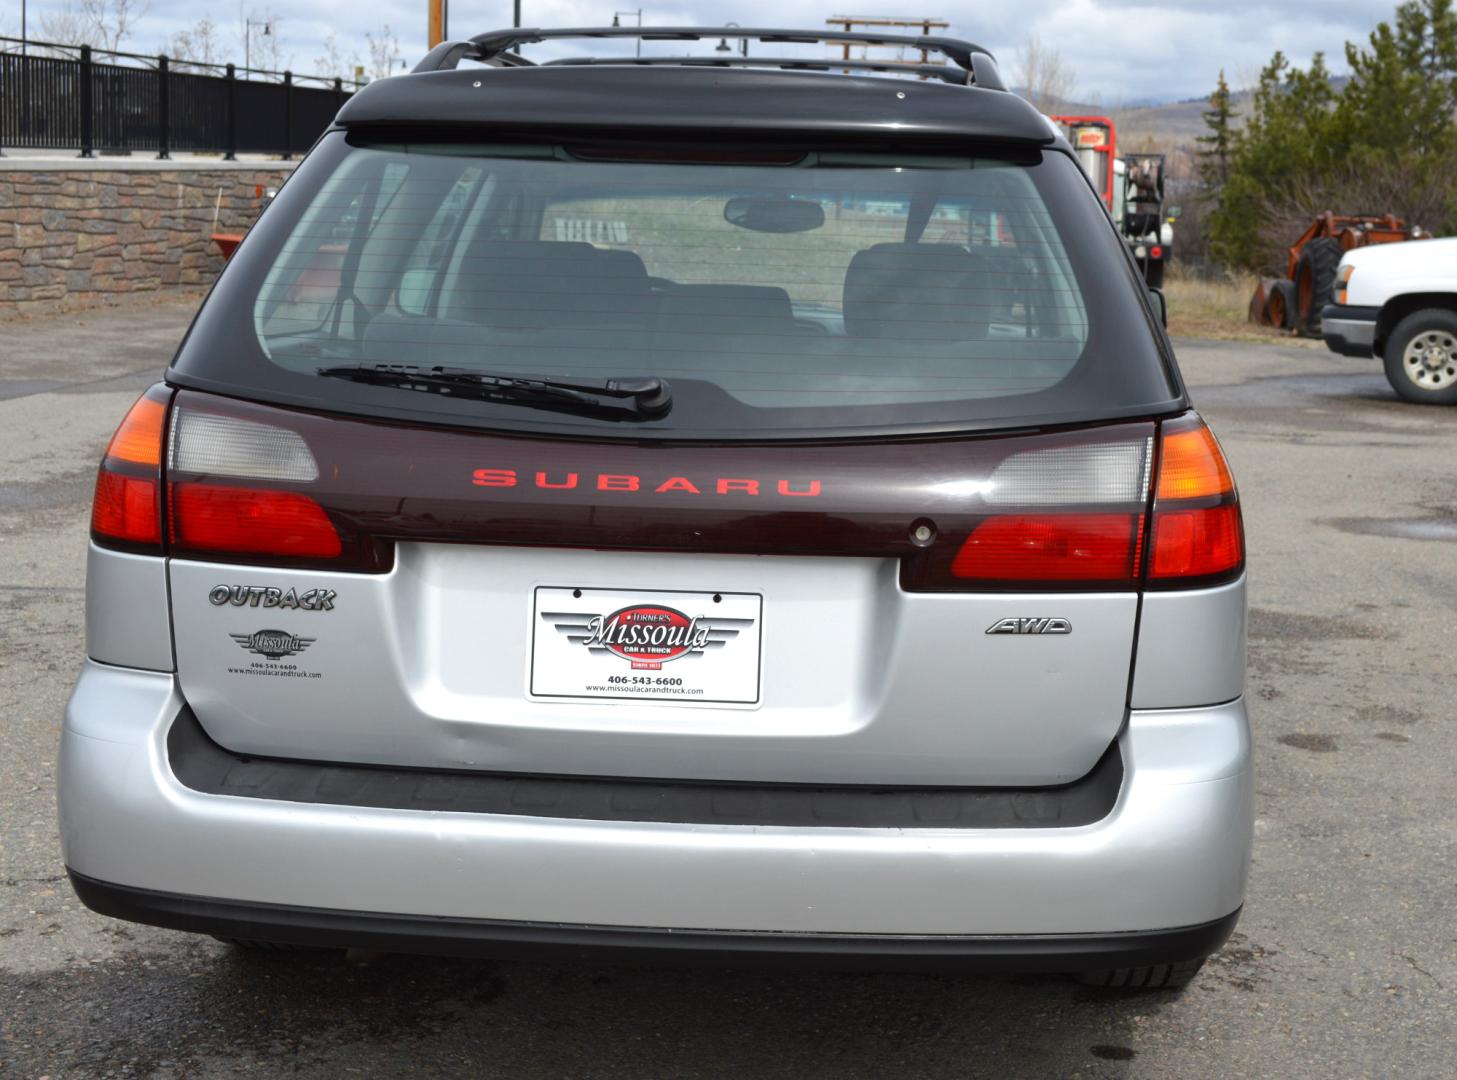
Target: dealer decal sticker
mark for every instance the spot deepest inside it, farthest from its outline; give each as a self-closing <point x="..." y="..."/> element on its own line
<point x="277" y="648"/>
<point x="646" y="645"/>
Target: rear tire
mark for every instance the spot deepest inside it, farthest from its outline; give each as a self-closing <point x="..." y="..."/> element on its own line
<point x="1154" y="977"/>
<point x="1421" y="357"/>
<point x="1315" y="281"/>
<point x="1280" y="305"/>
<point x="1259" y="310"/>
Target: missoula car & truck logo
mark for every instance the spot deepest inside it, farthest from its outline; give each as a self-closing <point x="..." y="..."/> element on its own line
<point x="274" y="644"/>
<point x="646" y="635"/>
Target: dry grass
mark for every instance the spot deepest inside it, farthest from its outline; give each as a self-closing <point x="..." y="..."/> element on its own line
<point x="1217" y="308"/>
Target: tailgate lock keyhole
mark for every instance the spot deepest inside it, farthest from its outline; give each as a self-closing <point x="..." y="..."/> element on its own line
<point x="923" y="532"/>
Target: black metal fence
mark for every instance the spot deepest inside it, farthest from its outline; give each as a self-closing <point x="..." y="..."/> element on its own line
<point x="65" y="97"/>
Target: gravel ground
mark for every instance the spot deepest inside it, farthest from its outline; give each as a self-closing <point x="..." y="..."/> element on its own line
<point x="1344" y="965"/>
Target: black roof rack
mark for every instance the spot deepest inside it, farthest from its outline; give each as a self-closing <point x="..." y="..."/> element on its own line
<point x="976" y="64"/>
<point x="954" y="75"/>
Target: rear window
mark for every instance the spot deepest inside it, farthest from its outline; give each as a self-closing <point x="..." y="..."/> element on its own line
<point x="785" y="293"/>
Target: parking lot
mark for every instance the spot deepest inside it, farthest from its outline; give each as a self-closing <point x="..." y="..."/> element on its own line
<point x="1344" y="965"/>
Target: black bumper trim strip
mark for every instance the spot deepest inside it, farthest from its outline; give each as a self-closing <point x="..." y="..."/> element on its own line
<point x="432" y="935"/>
<point x="205" y="767"/>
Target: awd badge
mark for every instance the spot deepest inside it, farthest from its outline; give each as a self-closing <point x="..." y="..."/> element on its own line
<point x="1030" y="626"/>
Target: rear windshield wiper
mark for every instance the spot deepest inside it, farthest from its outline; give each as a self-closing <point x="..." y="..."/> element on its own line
<point x="650" y="398"/>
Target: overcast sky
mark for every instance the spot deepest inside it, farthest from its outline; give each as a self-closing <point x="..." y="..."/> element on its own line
<point x="1120" y="50"/>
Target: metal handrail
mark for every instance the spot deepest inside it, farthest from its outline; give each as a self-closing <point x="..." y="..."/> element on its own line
<point x="149" y="61"/>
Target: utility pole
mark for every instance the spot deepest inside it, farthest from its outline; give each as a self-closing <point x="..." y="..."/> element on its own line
<point x="439" y="20"/>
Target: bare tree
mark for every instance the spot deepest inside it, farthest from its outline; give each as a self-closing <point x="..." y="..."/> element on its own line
<point x="1420" y="194"/>
<point x="102" y="24"/>
<point x="334" y="63"/>
<point x="383" y="52"/>
<point x="64" y="26"/>
<point x="200" y="44"/>
<point x="111" y="21"/>
<point x="1047" y="80"/>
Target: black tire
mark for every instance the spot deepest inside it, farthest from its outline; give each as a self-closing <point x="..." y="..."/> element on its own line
<point x="1315" y="281"/>
<point x="1437" y="329"/>
<point x="252" y="945"/>
<point x="1155" y="977"/>
<point x="1280" y="304"/>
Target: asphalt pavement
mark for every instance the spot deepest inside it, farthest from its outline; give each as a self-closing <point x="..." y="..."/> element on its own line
<point x="1344" y="965"/>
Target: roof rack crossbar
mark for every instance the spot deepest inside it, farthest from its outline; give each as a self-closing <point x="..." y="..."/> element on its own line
<point x="955" y="75"/>
<point x="496" y="44"/>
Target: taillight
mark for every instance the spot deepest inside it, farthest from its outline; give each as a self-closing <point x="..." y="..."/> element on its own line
<point x="1055" y="517"/>
<point x="1156" y="252"/>
<point x="238" y="489"/>
<point x="1052" y="548"/>
<point x="1197" y="536"/>
<point x="126" y="512"/>
<point x="212" y="518"/>
<point x="1088" y="515"/>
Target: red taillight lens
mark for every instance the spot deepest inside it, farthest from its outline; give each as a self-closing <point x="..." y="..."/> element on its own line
<point x="126" y="511"/>
<point x="250" y="521"/>
<point x="1197" y="536"/>
<point x="125" y="508"/>
<point x="1156" y="252"/>
<point x="1196" y="543"/>
<point x="1052" y="548"/>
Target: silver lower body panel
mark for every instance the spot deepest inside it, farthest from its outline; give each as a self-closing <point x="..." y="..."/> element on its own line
<point x="1173" y="852"/>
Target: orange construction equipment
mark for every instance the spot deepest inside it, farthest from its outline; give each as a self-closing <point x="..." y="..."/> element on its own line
<point x="1294" y="301"/>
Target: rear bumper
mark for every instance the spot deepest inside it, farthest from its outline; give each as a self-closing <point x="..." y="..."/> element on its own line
<point x="1170" y="856"/>
<point x="472" y="937"/>
<point x="1350" y="331"/>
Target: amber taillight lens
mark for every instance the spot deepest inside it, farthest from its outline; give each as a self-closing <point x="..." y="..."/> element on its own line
<point x="126" y="512"/>
<point x="1198" y="533"/>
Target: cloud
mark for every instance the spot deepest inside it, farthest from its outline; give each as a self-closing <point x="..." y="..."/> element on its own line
<point x="1119" y="50"/>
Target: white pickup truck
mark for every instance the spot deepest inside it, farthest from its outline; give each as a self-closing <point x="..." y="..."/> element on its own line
<point x="1399" y="302"/>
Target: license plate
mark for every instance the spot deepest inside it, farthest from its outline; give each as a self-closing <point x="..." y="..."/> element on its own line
<point x="646" y="645"/>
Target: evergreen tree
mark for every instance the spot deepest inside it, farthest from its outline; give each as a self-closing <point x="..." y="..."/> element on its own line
<point x="1219" y="119"/>
<point x="1387" y="139"/>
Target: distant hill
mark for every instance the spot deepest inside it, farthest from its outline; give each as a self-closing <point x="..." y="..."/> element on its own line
<point x="1156" y="128"/>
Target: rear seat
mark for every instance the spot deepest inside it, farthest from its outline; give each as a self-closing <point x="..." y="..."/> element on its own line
<point x="727" y="309"/>
<point x="918" y="292"/>
<point x="552" y="285"/>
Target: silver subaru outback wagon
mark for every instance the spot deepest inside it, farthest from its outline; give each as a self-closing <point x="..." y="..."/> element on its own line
<point x="726" y="507"/>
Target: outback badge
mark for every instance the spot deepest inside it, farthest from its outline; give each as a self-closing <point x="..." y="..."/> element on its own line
<point x="270" y="596"/>
<point x="1030" y="626"/>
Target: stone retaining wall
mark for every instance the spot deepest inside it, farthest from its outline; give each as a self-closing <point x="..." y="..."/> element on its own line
<point x="73" y="234"/>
